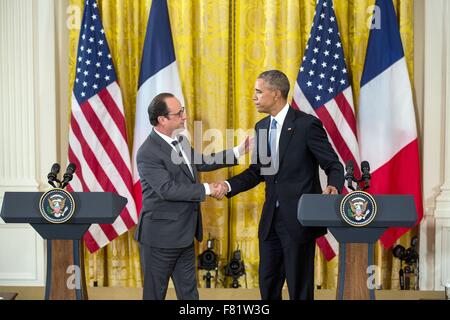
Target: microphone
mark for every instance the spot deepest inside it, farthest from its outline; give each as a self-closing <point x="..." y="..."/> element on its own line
<point x="350" y="175"/>
<point x="53" y="175"/>
<point x="68" y="176"/>
<point x="365" y="168"/>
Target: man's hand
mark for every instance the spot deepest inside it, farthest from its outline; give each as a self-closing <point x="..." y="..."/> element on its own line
<point x="330" y="190"/>
<point x="246" y="145"/>
<point x="218" y="190"/>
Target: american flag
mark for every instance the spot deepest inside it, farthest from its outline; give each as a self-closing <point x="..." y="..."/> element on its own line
<point x="97" y="136"/>
<point x="323" y="90"/>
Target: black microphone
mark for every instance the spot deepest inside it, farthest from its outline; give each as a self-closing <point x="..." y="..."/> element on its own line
<point x="350" y="174"/>
<point x="68" y="176"/>
<point x="365" y="168"/>
<point x="53" y="175"/>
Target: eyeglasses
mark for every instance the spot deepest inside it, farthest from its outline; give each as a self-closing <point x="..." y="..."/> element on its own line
<point x="179" y="113"/>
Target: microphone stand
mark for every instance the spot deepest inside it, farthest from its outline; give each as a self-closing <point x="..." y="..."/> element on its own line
<point x="350" y="177"/>
<point x="68" y="176"/>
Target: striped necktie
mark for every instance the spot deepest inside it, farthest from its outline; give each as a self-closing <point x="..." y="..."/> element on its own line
<point x="177" y="146"/>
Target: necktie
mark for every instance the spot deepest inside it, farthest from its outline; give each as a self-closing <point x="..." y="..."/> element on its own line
<point x="176" y="144"/>
<point x="273" y="142"/>
<point x="273" y="149"/>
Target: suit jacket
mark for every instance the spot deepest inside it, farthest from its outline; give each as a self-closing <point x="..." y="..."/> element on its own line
<point x="170" y="216"/>
<point x="303" y="146"/>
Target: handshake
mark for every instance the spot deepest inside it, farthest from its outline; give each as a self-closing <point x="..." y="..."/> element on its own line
<point x="218" y="190"/>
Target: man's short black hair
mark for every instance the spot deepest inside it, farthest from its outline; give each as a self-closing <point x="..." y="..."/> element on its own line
<point x="276" y="80"/>
<point x="158" y="107"/>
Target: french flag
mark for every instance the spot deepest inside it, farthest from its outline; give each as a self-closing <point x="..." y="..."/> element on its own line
<point x="159" y="73"/>
<point x="386" y="121"/>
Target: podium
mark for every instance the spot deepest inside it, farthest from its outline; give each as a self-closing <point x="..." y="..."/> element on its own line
<point x="356" y="244"/>
<point x="65" y="279"/>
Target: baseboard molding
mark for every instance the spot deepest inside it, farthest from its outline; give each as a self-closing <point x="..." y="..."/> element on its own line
<point x="117" y="293"/>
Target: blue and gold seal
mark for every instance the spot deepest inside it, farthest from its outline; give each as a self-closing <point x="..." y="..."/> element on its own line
<point x="358" y="208"/>
<point x="57" y="206"/>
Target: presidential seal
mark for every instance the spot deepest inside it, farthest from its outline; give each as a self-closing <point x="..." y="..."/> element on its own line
<point x="57" y="206"/>
<point x="358" y="208"/>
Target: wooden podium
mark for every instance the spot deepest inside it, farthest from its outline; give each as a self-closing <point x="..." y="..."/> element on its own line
<point x="356" y="252"/>
<point x="65" y="278"/>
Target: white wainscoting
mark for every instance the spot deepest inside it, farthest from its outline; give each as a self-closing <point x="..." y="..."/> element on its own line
<point x="22" y="256"/>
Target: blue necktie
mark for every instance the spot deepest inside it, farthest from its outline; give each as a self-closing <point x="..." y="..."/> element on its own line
<point x="273" y="148"/>
<point x="273" y="142"/>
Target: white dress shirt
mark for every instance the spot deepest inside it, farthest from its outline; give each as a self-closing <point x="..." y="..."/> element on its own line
<point x="279" y="117"/>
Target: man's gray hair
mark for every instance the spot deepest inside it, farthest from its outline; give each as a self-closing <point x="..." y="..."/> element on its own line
<point x="276" y="80"/>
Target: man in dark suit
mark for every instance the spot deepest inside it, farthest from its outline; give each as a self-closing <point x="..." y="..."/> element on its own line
<point x="296" y="146"/>
<point x="171" y="196"/>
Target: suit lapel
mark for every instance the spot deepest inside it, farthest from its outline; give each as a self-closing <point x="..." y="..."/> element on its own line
<point x="186" y="170"/>
<point x="193" y="166"/>
<point x="163" y="145"/>
<point x="165" y="148"/>
<point x="262" y="132"/>
<point x="188" y="151"/>
<point x="286" y="133"/>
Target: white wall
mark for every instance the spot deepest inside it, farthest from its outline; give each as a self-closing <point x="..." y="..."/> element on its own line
<point x="434" y="245"/>
<point x="442" y="212"/>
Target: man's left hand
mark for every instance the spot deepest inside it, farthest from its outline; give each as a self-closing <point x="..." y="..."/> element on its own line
<point x="330" y="190"/>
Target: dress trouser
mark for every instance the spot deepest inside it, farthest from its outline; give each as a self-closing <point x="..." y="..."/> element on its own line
<point x="159" y="264"/>
<point x="283" y="259"/>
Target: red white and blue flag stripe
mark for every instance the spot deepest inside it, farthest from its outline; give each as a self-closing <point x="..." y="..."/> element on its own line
<point x="323" y="90"/>
<point x="386" y="118"/>
<point x="97" y="135"/>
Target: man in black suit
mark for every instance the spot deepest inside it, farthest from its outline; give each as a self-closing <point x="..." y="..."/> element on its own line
<point x="296" y="145"/>
<point x="171" y="196"/>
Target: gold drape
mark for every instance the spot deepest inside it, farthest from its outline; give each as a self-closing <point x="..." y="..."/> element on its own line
<point x="221" y="46"/>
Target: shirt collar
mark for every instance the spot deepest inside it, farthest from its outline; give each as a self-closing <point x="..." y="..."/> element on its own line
<point x="281" y="115"/>
<point x="166" y="138"/>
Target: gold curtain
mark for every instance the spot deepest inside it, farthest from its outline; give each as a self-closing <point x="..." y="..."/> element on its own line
<point x="221" y="46"/>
